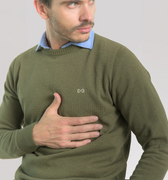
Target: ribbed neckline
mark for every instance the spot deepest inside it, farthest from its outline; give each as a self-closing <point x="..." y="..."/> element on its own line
<point x="58" y="52"/>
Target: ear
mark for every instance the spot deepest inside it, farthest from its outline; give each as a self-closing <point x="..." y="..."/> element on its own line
<point x="41" y="9"/>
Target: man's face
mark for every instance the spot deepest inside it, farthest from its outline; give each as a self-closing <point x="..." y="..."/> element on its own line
<point x="71" y="20"/>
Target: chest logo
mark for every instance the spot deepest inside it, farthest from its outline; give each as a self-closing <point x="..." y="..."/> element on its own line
<point x="80" y="91"/>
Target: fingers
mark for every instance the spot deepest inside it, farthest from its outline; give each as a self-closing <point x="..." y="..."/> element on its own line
<point x="56" y="103"/>
<point x="75" y="144"/>
<point x="74" y="125"/>
<point x="63" y="132"/>
<point x="85" y="128"/>
<point x="72" y="141"/>
<point x="57" y="97"/>
<point x="78" y="130"/>
<point x="69" y="144"/>
<point x="74" y="121"/>
<point x="78" y="136"/>
<point x="83" y="136"/>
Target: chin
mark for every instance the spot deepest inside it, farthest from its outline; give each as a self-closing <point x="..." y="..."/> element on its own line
<point x="81" y="38"/>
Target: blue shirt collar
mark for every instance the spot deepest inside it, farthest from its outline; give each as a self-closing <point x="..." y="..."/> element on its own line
<point x="87" y="44"/>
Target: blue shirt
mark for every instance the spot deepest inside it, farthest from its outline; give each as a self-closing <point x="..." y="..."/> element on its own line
<point x="87" y="44"/>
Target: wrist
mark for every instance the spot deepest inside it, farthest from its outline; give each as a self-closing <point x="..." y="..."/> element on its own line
<point x="35" y="135"/>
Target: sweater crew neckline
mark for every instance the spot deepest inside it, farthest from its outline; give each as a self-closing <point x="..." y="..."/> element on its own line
<point x="58" y="52"/>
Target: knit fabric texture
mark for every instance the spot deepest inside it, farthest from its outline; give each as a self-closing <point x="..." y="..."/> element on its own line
<point x="107" y="81"/>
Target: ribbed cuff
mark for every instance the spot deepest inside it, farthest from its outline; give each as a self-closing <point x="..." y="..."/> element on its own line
<point x="25" y="139"/>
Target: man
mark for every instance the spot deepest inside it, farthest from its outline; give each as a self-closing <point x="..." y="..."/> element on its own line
<point x="101" y="94"/>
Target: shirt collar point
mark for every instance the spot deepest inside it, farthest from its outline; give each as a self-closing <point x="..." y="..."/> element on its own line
<point x="87" y="44"/>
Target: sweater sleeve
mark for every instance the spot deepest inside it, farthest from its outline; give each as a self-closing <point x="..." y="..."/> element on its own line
<point x="15" y="141"/>
<point x="137" y="100"/>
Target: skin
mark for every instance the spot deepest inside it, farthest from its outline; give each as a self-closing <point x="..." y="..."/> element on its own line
<point x="66" y="20"/>
<point x="55" y="131"/>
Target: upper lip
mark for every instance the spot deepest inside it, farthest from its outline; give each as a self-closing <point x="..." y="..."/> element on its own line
<point x="85" y="27"/>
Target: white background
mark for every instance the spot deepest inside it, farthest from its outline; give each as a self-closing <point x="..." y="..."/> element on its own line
<point x="141" y="25"/>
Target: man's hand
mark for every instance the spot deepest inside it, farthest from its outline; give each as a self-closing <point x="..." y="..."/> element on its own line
<point x="56" y="131"/>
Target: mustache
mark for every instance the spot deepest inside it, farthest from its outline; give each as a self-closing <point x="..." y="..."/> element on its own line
<point x="83" y="24"/>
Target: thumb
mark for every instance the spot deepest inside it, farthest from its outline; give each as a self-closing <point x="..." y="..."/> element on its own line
<point x="56" y="103"/>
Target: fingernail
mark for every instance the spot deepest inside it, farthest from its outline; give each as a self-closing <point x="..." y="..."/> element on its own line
<point x="100" y="126"/>
<point x="55" y="96"/>
<point x="97" y="134"/>
<point x="96" y="118"/>
<point x="89" y="141"/>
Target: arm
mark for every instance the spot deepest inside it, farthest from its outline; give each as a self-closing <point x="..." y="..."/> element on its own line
<point x="52" y="130"/>
<point x="14" y="141"/>
<point x="138" y="102"/>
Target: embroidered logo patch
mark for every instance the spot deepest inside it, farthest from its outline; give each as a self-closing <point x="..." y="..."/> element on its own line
<point x="81" y="91"/>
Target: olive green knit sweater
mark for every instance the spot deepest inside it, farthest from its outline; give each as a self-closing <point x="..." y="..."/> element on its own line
<point x="107" y="81"/>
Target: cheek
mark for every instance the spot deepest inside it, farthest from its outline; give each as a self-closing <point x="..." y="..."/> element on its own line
<point x="93" y="13"/>
<point x="71" y="17"/>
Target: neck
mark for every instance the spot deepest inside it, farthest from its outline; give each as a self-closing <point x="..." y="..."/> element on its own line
<point x="54" y="42"/>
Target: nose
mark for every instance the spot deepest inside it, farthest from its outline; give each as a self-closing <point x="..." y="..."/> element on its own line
<point x="86" y="14"/>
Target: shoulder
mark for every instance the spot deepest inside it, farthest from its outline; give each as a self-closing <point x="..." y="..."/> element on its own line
<point x="26" y="54"/>
<point x="123" y="60"/>
<point x="21" y="60"/>
<point x="110" y="48"/>
<point x="23" y="57"/>
<point x="113" y="51"/>
<point x="105" y="43"/>
<point x="107" y="46"/>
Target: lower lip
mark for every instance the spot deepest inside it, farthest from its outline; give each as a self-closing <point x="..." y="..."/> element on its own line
<point x="84" y="30"/>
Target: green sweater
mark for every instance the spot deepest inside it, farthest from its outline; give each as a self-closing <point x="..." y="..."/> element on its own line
<point x="107" y="81"/>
